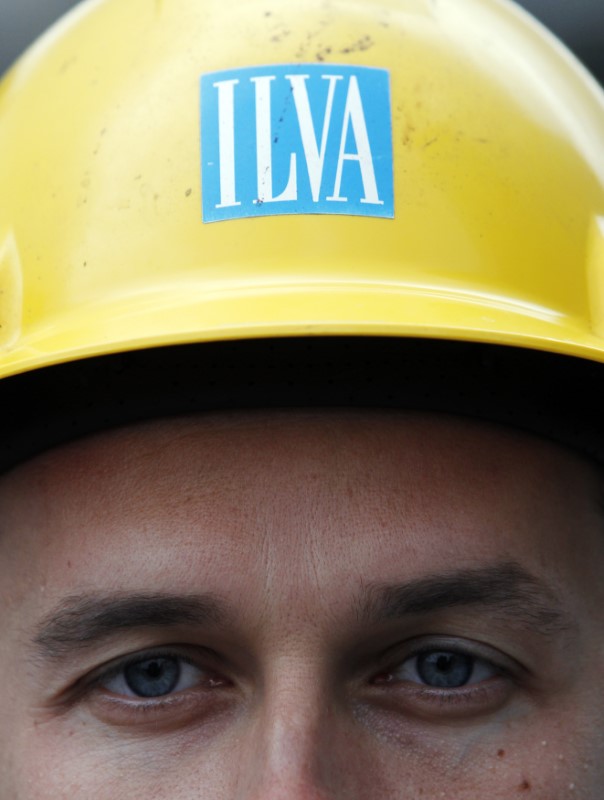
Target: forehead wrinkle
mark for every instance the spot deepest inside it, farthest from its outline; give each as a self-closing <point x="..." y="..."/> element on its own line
<point x="81" y="621"/>
<point x="507" y="590"/>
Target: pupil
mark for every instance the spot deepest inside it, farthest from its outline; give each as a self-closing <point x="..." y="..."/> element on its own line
<point x="445" y="670"/>
<point x="153" y="677"/>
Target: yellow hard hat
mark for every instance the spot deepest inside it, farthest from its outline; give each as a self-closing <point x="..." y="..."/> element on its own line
<point x="210" y="171"/>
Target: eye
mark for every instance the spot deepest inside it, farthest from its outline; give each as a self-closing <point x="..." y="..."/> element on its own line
<point x="444" y="669"/>
<point x="155" y="690"/>
<point x="443" y="678"/>
<point x="153" y="675"/>
<point x="446" y="664"/>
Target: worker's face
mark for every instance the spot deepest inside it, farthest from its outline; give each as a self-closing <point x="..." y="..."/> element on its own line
<point x="302" y="607"/>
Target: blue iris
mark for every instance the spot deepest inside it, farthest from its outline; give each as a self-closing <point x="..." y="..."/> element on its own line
<point x="153" y="677"/>
<point x="445" y="669"/>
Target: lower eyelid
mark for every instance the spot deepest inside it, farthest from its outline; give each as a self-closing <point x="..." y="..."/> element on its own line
<point x="474" y="695"/>
<point x="155" y="715"/>
<point x="433" y="705"/>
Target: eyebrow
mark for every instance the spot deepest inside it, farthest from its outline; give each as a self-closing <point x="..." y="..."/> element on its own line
<point x="82" y="621"/>
<point x="506" y="590"/>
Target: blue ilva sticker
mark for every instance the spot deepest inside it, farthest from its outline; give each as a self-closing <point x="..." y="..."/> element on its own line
<point x="296" y="139"/>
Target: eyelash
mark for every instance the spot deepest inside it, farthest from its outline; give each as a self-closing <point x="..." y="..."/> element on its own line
<point x="477" y="661"/>
<point x="95" y="684"/>
<point x="121" y="667"/>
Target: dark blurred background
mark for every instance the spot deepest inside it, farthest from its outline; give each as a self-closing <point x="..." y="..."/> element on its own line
<point x="580" y="23"/>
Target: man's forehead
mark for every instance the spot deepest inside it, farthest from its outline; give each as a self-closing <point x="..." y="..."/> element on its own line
<point x="304" y="425"/>
<point x="278" y="510"/>
<point x="280" y="465"/>
<point x="420" y="457"/>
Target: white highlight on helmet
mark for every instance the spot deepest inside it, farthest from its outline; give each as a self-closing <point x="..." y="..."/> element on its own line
<point x="595" y="275"/>
<point x="11" y="292"/>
